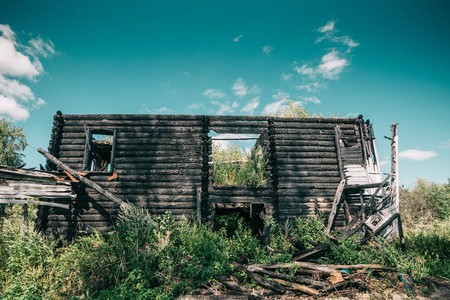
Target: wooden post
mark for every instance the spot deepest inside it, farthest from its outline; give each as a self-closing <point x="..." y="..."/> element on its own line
<point x="394" y="165"/>
<point x="199" y="205"/>
<point x="395" y="184"/>
<point x="83" y="179"/>
<point x="25" y="214"/>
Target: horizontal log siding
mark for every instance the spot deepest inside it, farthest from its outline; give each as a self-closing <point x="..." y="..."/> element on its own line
<point x="157" y="159"/>
<point x="159" y="166"/>
<point x="307" y="164"/>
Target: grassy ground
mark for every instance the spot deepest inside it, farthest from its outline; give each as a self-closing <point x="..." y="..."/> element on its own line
<point x="172" y="259"/>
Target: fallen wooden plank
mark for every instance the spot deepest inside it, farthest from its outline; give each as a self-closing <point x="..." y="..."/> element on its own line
<point x="305" y="265"/>
<point x="229" y="283"/>
<point x="286" y="277"/>
<point x="336" y="205"/>
<point x="297" y="287"/>
<point x="361" y="266"/>
<point x="313" y="252"/>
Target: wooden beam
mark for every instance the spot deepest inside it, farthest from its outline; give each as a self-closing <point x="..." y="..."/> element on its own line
<point x="83" y="179"/>
<point x="336" y="205"/>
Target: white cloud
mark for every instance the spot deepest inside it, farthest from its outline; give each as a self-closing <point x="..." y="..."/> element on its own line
<point x="274" y="107"/>
<point x="332" y="65"/>
<point x="417" y="155"/>
<point x="352" y="115"/>
<point x="239" y="88"/>
<point x="225" y="107"/>
<point x="7" y="32"/>
<point x="10" y="108"/>
<point x="188" y="75"/>
<point x="384" y="163"/>
<point x="236" y="39"/>
<point x="330" y="31"/>
<point x="214" y="94"/>
<point x="255" y="90"/>
<point x="14" y="63"/>
<point x="15" y="89"/>
<point x="39" y="102"/>
<point x="311" y="87"/>
<point x="267" y="49"/>
<point x="162" y="110"/>
<point x="195" y="106"/>
<point x="345" y="40"/>
<point x="250" y="107"/>
<point x="305" y="70"/>
<point x="445" y="144"/>
<point x="280" y="95"/>
<point x="312" y="99"/>
<point x="40" y="47"/>
<point x="286" y="76"/>
<point x="328" y="27"/>
<point x="20" y="61"/>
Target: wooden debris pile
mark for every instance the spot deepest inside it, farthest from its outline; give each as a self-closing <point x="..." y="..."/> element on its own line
<point x="302" y="276"/>
<point x="295" y="279"/>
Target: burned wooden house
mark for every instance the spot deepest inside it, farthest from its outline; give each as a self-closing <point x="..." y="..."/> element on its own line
<point x="163" y="163"/>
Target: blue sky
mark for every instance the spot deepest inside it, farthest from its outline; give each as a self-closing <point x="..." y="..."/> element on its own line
<point x="387" y="60"/>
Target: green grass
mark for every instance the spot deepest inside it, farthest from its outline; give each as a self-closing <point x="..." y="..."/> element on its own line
<point x="141" y="261"/>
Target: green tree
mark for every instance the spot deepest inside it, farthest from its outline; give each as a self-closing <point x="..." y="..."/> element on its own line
<point x="12" y="142"/>
<point x="292" y="110"/>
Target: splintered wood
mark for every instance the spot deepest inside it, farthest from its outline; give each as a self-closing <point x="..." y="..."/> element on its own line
<point x="298" y="278"/>
<point x="18" y="186"/>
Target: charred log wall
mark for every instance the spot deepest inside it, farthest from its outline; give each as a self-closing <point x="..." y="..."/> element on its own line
<point x="161" y="161"/>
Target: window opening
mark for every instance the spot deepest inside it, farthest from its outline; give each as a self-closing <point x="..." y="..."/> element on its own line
<point x="239" y="159"/>
<point x="100" y="148"/>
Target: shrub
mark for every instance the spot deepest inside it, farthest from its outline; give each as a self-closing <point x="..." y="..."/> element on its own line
<point x="425" y="203"/>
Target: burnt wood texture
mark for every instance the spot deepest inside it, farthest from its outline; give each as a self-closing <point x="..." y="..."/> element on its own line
<point x="163" y="163"/>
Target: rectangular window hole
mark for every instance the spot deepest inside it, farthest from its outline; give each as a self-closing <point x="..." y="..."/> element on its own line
<point x="239" y="159"/>
<point x="100" y="152"/>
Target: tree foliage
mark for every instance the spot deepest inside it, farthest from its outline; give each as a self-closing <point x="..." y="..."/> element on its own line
<point x="12" y="142"/>
<point x="292" y="110"/>
<point x="425" y="203"/>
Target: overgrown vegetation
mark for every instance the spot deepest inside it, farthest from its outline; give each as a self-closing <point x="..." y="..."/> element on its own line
<point x="425" y="204"/>
<point x="142" y="261"/>
<point x="234" y="167"/>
